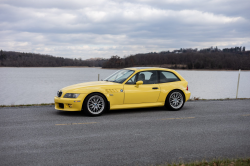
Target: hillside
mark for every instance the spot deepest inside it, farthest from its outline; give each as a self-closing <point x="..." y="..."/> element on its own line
<point x="18" y="59"/>
<point x="211" y="58"/>
<point x="192" y="59"/>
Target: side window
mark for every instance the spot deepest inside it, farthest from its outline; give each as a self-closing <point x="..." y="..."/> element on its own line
<point x="148" y="77"/>
<point x="132" y="80"/>
<point x="168" y="77"/>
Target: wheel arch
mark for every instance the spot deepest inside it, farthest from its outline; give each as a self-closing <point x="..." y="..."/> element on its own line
<point x="108" y="104"/>
<point x="176" y="90"/>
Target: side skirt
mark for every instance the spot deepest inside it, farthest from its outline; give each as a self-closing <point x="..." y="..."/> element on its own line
<point x="141" y="105"/>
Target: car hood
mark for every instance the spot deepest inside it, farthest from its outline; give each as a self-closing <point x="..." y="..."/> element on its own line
<point x="88" y="85"/>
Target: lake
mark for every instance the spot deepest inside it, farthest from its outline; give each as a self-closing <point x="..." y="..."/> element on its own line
<point x="40" y="85"/>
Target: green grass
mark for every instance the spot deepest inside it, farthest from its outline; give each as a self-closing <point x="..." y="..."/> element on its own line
<point x="215" y="162"/>
<point x="26" y="105"/>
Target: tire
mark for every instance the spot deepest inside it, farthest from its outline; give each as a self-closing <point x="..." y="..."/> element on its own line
<point x="95" y="105"/>
<point x="175" y="100"/>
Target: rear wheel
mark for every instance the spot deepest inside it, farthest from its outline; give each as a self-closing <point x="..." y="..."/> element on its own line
<point x="175" y="100"/>
<point x="94" y="105"/>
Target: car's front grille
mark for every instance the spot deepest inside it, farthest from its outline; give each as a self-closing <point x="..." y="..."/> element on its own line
<point x="61" y="105"/>
<point x="59" y="93"/>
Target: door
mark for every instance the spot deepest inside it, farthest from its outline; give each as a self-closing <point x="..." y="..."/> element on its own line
<point x="148" y="92"/>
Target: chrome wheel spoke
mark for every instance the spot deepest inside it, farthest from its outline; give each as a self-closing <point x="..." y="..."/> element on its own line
<point x="95" y="104"/>
<point x="176" y="100"/>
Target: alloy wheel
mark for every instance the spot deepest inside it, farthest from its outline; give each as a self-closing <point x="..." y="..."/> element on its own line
<point x="95" y="104"/>
<point x="176" y="100"/>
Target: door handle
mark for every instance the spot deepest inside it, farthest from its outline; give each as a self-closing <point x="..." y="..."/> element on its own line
<point x="155" y="88"/>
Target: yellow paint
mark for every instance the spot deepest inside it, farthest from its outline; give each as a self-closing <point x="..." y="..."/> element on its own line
<point x="246" y="115"/>
<point x="132" y="96"/>
<point x="141" y="105"/>
<point x="141" y="94"/>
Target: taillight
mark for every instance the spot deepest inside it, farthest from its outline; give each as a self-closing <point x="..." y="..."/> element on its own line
<point x="187" y="87"/>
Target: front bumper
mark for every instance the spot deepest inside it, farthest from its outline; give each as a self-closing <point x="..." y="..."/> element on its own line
<point x="69" y="104"/>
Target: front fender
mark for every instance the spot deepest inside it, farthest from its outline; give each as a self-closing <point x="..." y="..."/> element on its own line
<point x="113" y="94"/>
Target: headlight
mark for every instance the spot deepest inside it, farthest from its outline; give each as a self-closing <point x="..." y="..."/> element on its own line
<point x="59" y="93"/>
<point x="71" y="95"/>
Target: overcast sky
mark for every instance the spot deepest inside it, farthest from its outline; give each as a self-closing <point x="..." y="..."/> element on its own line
<point x="102" y="28"/>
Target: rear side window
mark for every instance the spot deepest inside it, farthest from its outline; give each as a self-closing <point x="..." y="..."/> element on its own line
<point x="166" y="76"/>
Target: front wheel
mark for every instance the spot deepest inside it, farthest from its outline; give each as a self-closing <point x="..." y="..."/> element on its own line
<point x="175" y="100"/>
<point x="94" y="105"/>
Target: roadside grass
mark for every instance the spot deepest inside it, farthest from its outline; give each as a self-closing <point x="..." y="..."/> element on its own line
<point x="215" y="162"/>
<point x="27" y="105"/>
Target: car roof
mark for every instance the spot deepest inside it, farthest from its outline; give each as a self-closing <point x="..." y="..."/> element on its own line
<point x="139" y="69"/>
<point x="146" y="68"/>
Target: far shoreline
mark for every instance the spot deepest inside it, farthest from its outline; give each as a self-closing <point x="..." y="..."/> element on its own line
<point x="49" y="67"/>
<point x="126" y="67"/>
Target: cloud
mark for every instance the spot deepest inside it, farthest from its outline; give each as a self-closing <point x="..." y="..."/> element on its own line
<point x="104" y="28"/>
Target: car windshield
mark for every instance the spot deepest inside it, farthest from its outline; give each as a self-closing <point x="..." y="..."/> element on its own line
<point x="119" y="76"/>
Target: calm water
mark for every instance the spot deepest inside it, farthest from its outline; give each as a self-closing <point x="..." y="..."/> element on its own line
<point x="40" y="85"/>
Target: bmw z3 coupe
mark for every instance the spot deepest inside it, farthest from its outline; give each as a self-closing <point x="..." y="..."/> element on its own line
<point x="137" y="87"/>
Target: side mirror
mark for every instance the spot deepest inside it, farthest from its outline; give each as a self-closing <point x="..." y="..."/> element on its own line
<point x="139" y="83"/>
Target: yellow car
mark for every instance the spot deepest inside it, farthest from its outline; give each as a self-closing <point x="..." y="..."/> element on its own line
<point x="128" y="88"/>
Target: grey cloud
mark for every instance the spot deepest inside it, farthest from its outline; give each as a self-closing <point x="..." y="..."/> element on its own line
<point x="59" y="4"/>
<point x="105" y="28"/>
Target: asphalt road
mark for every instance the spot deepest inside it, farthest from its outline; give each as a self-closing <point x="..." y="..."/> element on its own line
<point x="201" y="130"/>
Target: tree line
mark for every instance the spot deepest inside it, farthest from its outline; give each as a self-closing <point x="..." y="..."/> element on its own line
<point x="187" y="60"/>
<point x="211" y="58"/>
<point x="18" y="59"/>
